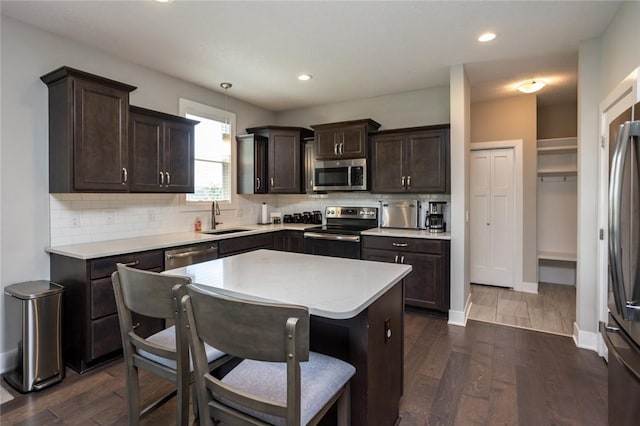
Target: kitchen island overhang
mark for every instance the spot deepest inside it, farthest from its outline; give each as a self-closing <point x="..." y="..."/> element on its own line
<point x="356" y="308"/>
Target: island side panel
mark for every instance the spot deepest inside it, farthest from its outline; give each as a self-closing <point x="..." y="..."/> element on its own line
<point x="376" y="387"/>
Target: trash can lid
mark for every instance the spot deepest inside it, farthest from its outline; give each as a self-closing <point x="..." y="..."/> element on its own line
<point x="33" y="289"/>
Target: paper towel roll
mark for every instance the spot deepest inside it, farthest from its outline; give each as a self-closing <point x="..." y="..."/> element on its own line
<point x="264" y="218"/>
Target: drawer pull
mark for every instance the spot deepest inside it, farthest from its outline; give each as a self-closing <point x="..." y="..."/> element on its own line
<point x="400" y="244"/>
<point x="132" y="264"/>
<point x="136" y="325"/>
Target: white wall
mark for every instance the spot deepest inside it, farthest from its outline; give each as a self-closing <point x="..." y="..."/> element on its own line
<point x="28" y="53"/>
<point x="460" y="144"/>
<point x="603" y="64"/>
<point x="409" y="109"/>
<point x="620" y="50"/>
<point x="588" y="152"/>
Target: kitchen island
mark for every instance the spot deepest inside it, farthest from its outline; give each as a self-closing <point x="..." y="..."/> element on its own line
<point x="356" y="312"/>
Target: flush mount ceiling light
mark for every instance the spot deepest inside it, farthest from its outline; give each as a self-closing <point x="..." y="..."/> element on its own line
<point x="226" y="127"/>
<point x="488" y="36"/>
<point x="164" y="1"/>
<point x="531" y="86"/>
<point x="304" y="77"/>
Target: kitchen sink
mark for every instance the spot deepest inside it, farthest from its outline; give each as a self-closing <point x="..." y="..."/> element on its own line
<point x="225" y="231"/>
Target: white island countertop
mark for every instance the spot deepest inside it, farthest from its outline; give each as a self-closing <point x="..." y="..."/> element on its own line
<point x="330" y="287"/>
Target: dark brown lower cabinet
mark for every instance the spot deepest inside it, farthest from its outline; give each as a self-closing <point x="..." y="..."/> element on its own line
<point x="91" y="331"/>
<point x="237" y="245"/>
<point x="428" y="284"/>
<point x="290" y="241"/>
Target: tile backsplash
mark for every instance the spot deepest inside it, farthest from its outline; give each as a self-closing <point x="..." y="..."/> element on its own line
<point x="85" y="218"/>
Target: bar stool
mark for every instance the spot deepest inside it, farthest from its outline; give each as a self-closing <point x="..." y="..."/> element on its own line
<point x="166" y="353"/>
<point x="279" y="381"/>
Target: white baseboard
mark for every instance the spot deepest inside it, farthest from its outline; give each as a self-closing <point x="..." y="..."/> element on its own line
<point x="8" y="360"/>
<point x="585" y="339"/>
<point x="460" y="317"/>
<point x="527" y="287"/>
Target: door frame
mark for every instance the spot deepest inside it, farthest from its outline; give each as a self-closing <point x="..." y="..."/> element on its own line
<point x="625" y="95"/>
<point x="518" y="196"/>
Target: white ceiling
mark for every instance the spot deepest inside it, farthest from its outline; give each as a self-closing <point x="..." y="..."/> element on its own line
<point x="354" y="49"/>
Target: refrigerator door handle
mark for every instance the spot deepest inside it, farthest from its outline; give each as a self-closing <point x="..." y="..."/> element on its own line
<point x="626" y="130"/>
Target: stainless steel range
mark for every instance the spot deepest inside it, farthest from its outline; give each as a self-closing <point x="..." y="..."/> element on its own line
<point x="340" y="237"/>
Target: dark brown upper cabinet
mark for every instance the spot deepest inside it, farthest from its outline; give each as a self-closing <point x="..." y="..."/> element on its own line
<point x="252" y="164"/>
<point x="161" y="152"/>
<point x="412" y="160"/>
<point x="284" y="157"/>
<point x="346" y="139"/>
<point x="88" y="143"/>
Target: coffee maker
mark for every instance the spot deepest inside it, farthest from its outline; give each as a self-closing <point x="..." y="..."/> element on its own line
<point x="434" y="220"/>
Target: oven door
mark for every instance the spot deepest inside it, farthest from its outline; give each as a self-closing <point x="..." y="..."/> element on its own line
<point x="335" y="245"/>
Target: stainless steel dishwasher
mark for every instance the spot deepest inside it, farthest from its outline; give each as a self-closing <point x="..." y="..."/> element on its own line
<point x="185" y="256"/>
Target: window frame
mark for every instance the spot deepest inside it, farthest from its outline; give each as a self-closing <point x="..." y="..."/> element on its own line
<point x="187" y="106"/>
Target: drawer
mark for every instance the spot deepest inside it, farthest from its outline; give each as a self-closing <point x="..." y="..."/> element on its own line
<point x="103" y="301"/>
<point x="102" y="298"/>
<point x="243" y="244"/>
<point x="419" y="245"/>
<point x="105" y="336"/>
<point x="105" y="333"/>
<point x="104" y="267"/>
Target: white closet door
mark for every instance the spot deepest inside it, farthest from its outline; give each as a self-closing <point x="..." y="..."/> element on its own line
<point x="492" y="217"/>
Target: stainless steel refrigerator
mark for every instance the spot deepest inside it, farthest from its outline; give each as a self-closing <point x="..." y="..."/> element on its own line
<point x="622" y="333"/>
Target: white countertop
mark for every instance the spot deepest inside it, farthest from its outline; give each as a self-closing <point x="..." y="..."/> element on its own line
<point x="408" y="233"/>
<point x="153" y="242"/>
<point x="330" y="287"/>
<point x="98" y="249"/>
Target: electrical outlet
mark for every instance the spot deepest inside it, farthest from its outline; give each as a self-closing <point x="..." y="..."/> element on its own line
<point x="109" y="217"/>
<point x="75" y="221"/>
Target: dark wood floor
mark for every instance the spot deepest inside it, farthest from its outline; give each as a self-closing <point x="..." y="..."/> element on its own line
<point x="481" y="374"/>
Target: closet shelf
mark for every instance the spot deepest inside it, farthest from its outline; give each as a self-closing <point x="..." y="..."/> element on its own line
<point x="558" y="172"/>
<point x="564" y="149"/>
<point x="556" y="255"/>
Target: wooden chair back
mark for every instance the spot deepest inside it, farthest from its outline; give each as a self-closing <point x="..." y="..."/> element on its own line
<point x="250" y="330"/>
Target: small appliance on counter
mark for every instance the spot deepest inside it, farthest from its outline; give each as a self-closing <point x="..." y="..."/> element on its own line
<point x="399" y="214"/>
<point x="317" y="217"/>
<point x="434" y="219"/>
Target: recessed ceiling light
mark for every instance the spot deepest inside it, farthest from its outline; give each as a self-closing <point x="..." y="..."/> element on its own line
<point x="531" y="86"/>
<point x="486" y="37"/>
<point x="164" y="1"/>
<point x="304" y="77"/>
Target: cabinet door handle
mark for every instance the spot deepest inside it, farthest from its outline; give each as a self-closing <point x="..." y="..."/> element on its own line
<point x="396" y="259"/>
<point x="161" y="179"/>
<point x="271" y="182"/>
<point x="335" y="149"/>
<point x="132" y="264"/>
<point x="125" y="175"/>
<point x="408" y="182"/>
<point x="404" y="181"/>
<point x="257" y="183"/>
<point x="168" y="178"/>
<point x="342" y="147"/>
<point x="136" y="325"/>
<point x="400" y="244"/>
<point x="402" y="259"/>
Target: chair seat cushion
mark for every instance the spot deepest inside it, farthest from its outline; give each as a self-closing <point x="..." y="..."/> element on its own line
<point x="167" y="338"/>
<point x="321" y="378"/>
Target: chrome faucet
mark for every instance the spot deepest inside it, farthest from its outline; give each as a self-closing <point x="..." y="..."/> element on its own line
<point x="215" y="210"/>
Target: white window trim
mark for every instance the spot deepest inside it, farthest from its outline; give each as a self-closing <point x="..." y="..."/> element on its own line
<point x="186" y="106"/>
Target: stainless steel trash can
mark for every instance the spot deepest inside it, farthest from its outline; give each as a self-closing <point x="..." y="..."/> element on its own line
<point x="40" y="350"/>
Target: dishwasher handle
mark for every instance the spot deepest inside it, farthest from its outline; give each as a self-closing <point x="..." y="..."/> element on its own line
<point x="170" y="255"/>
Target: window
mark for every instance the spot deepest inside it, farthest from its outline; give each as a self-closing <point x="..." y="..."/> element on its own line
<point x="212" y="152"/>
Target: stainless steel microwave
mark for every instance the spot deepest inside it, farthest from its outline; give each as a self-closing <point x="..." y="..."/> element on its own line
<point x="340" y="175"/>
